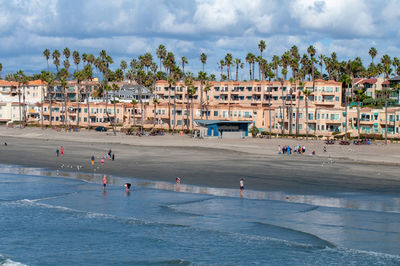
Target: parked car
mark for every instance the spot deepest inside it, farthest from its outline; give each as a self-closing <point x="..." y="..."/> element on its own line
<point x="101" y="129"/>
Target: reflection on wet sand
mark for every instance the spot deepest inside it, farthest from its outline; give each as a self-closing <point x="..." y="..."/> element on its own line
<point x="358" y="201"/>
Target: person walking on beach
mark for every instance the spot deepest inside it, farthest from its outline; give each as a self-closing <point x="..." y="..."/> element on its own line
<point x="109" y="154"/>
<point x="58" y="152"/>
<point x="62" y="151"/>
<point x="113" y="157"/>
<point x="102" y="161"/>
<point x="241" y="183"/>
<point x="92" y="159"/>
<point x="104" y="182"/>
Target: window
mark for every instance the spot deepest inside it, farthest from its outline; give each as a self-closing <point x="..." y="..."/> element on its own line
<point x="337" y="99"/>
<point x="215" y="113"/>
<point x="322" y="127"/>
<point x="310" y="116"/>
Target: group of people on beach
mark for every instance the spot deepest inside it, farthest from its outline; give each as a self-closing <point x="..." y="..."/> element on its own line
<point x="110" y="155"/>
<point x="60" y="151"/>
<point x="297" y="149"/>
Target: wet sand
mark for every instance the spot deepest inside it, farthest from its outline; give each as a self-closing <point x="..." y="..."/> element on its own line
<point x="210" y="162"/>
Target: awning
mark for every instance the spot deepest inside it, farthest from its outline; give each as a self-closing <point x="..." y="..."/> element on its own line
<point x="376" y="114"/>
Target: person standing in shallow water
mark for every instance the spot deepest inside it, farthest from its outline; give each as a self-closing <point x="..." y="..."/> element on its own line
<point x="62" y="151"/>
<point x="241" y="183"/>
<point x="104" y="182"/>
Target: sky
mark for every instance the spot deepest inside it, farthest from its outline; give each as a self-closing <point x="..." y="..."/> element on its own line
<point x="128" y="28"/>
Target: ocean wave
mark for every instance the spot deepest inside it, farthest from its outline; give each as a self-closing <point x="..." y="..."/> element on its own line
<point x="96" y="215"/>
<point x="378" y="255"/>
<point x="314" y="240"/>
<point x="8" y="262"/>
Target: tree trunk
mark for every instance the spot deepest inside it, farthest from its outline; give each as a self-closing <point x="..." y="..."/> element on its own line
<point x="283" y="111"/>
<point x="141" y="109"/>
<point x="270" y="118"/>
<point x="24" y="107"/>
<point x="358" y="119"/>
<point x="88" y="112"/>
<point x="77" y="107"/>
<point x="187" y="109"/>
<point x="306" y="117"/>
<point x="291" y="116"/>
<point x="155" y="115"/>
<point x="386" y="117"/>
<point x="346" y="101"/>
<point x="192" y="113"/>
<point x="50" y="112"/>
<point x="173" y="125"/>
<point x="115" y="112"/>
<point x="207" y="105"/>
<point x="201" y="100"/>
<point x="19" y="106"/>
<point x="169" y="107"/>
<point x="41" y="109"/>
<point x="237" y="72"/>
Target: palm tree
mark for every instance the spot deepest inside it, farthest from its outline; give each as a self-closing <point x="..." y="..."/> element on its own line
<point x="387" y="71"/>
<point x="203" y="59"/>
<point x="46" y="54"/>
<point x="192" y="92"/>
<point x="207" y="88"/>
<point x="87" y="70"/>
<point x="283" y="106"/>
<point x="66" y="64"/>
<point x="228" y="63"/>
<point x="311" y="51"/>
<point x="347" y="82"/>
<point x="77" y="59"/>
<point x="238" y="64"/>
<point x="67" y="53"/>
<point x="25" y="82"/>
<point x="270" y="75"/>
<point x="291" y="106"/>
<point x="373" y="52"/>
<point x="155" y="102"/>
<point x="321" y="59"/>
<point x="261" y="46"/>
<point x="161" y="53"/>
<point x="276" y="61"/>
<point x="171" y="82"/>
<point x="56" y="58"/>
<point x="79" y="77"/>
<point x="202" y="76"/>
<point x="301" y="85"/>
<point x="1" y="69"/>
<point x="176" y="73"/>
<point x="123" y="66"/>
<point x="189" y="85"/>
<point x="250" y="60"/>
<point x="184" y="61"/>
<point x="306" y="94"/>
<point x="49" y="79"/>
<point x="43" y="77"/>
<point x="221" y="65"/>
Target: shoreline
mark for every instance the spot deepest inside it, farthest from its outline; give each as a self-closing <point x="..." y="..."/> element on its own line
<point x="211" y="163"/>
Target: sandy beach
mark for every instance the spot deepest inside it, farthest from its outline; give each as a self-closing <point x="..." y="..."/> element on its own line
<point x="210" y="162"/>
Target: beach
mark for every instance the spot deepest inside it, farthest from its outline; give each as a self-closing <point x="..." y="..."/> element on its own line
<point x="338" y="207"/>
<point x="209" y="162"/>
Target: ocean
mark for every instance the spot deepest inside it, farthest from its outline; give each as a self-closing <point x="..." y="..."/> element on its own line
<point x="54" y="218"/>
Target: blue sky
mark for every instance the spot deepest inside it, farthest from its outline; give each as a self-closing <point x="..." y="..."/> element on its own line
<point x="127" y="28"/>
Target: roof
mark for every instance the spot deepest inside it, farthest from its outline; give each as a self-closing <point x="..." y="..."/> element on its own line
<point x="8" y="83"/>
<point x="365" y="81"/>
<point x="211" y="122"/>
<point x="37" y="82"/>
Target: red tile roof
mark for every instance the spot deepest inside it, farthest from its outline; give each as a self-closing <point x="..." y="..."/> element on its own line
<point x="8" y="83"/>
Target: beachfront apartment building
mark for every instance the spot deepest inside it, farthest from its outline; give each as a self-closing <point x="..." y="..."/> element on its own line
<point x="279" y="104"/>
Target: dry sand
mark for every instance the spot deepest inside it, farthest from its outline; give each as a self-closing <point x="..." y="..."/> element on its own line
<point x="210" y="162"/>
